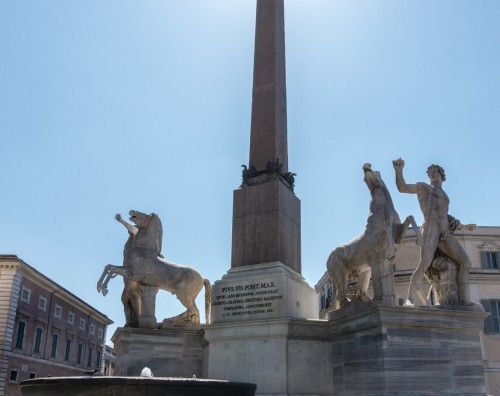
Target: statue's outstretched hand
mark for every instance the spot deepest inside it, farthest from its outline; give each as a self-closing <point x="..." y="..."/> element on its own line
<point x="118" y="217"/>
<point x="398" y="164"/>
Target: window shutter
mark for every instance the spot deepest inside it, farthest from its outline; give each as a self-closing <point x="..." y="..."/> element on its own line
<point x="484" y="260"/>
<point x="488" y="322"/>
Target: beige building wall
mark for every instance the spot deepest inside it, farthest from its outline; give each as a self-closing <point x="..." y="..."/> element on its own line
<point x="10" y="285"/>
<point x="484" y="287"/>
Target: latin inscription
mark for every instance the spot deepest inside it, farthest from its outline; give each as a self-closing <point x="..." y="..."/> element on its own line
<point x="249" y="299"/>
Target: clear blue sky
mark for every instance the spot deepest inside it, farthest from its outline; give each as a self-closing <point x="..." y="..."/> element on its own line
<point x="118" y="105"/>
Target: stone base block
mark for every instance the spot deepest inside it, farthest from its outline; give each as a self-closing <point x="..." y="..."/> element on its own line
<point x="262" y="291"/>
<point x="168" y="353"/>
<point x="266" y="225"/>
<point x="282" y="356"/>
<point x="396" y="351"/>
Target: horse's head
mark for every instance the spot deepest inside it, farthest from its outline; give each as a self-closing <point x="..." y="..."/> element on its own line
<point x="150" y="229"/>
<point x="139" y="219"/>
<point x="144" y="220"/>
<point x="372" y="178"/>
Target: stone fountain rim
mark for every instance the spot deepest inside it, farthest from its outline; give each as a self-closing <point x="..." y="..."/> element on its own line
<point x="136" y="380"/>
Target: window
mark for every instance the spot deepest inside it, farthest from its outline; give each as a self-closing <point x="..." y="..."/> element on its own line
<point x="38" y="340"/>
<point x="58" y="311"/>
<point x="71" y="317"/>
<point x="89" y="358"/>
<point x="32" y="375"/>
<point x="82" y="324"/>
<point x="25" y="294"/>
<point x="329" y="295"/>
<point x="67" y="350"/>
<point x="323" y="301"/>
<point x="42" y="303"/>
<point x="490" y="260"/>
<point x="98" y="362"/>
<point x="21" y="327"/>
<point x="79" y="355"/>
<point x="492" y="322"/>
<point x="92" y="329"/>
<point x="100" y="333"/>
<point x="13" y="376"/>
<point x="53" y="351"/>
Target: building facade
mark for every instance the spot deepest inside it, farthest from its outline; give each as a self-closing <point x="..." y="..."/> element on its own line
<point x="109" y="356"/>
<point x="482" y="245"/>
<point x="45" y="330"/>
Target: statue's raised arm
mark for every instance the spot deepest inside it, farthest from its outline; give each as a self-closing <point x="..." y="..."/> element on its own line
<point x="400" y="180"/>
<point x="130" y="228"/>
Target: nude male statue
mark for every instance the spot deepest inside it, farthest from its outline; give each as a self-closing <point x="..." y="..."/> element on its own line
<point x="434" y="204"/>
<point x="131" y="295"/>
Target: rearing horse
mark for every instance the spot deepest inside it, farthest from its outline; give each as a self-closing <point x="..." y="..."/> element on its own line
<point x="383" y="230"/>
<point x="143" y="265"/>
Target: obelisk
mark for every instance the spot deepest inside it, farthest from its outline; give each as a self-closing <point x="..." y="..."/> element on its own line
<point x="268" y="137"/>
<point x="262" y="304"/>
<point x="266" y="212"/>
<point x="265" y="280"/>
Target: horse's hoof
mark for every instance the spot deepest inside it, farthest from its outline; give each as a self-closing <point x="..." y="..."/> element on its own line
<point x="104" y="292"/>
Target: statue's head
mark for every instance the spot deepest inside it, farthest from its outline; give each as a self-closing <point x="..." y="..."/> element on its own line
<point x="140" y="219"/>
<point x="436" y="169"/>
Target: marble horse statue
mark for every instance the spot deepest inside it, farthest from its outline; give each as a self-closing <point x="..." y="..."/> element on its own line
<point x="372" y="253"/>
<point x="145" y="271"/>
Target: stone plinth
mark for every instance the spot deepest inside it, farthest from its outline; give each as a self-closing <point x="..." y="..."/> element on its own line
<point x="266" y="225"/>
<point x="398" y="351"/>
<point x="263" y="291"/>
<point x="168" y="353"/>
<point x="282" y="356"/>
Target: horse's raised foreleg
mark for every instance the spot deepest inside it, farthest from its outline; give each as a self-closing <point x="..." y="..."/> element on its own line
<point x="110" y="271"/>
<point x="402" y="228"/>
<point x="104" y="279"/>
<point x="109" y="276"/>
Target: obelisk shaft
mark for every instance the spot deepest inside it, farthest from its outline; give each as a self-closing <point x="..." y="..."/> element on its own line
<point x="268" y="139"/>
<point x="266" y="212"/>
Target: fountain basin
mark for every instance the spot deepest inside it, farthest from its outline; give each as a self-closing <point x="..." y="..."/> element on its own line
<point x="134" y="386"/>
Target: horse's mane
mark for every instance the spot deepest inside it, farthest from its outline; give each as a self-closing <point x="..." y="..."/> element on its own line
<point x="151" y="234"/>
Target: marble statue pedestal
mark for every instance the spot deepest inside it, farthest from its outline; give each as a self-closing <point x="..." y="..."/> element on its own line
<point x="168" y="353"/>
<point x="282" y="356"/>
<point x="399" y="351"/>
<point x="262" y="291"/>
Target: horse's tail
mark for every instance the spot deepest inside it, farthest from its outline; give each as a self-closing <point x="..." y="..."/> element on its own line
<point x="208" y="299"/>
